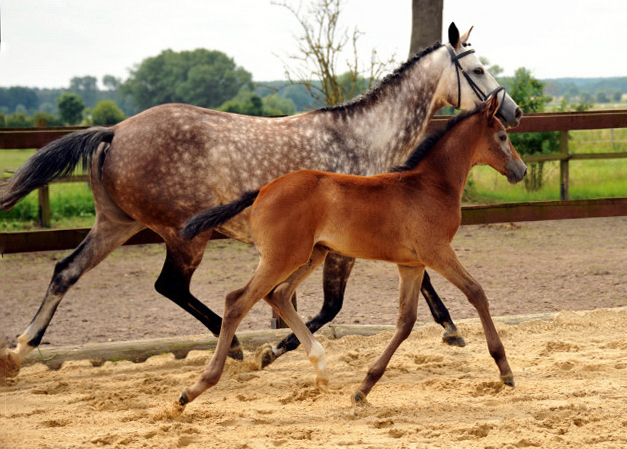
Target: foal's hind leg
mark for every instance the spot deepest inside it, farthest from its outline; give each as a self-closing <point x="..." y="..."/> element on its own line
<point x="444" y="260"/>
<point x="337" y="269"/>
<point x="280" y="300"/>
<point x="451" y="335"/>
<point x="409" y="291"/>
<point x="181" y="262"/>
<point x="237" y="304"/>
<point x="103" y="238"/>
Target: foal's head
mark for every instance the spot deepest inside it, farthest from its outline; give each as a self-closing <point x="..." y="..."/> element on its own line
<point x="493" y="146"/>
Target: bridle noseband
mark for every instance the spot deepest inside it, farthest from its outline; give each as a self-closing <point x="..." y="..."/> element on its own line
<point x="475" y="88"/>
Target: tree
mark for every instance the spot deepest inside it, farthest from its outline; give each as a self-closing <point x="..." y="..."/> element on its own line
<point x="528" y="92"/>
<point x="200" y="77"/>
<point x="107" y="113"/>
<point x="110" y="82"/>
<point x="426" y="24"/>
<point x="320" y="47"/>
<point x="19" y="120"/>
<point x="249" y="103"/>
<point x="44" y="118"/>
<point x="85" y="87"/>
<point x="12" y="97"/>
<point x="70" y="108"/>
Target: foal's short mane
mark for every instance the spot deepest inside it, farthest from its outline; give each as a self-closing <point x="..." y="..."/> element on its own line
<point x="374" y="92"/>
<point x="431" y="140"/>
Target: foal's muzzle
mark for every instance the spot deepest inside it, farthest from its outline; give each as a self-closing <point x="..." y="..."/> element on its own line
<point x="515" y="170"/>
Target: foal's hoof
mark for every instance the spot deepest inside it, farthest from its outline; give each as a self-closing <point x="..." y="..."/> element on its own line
<point x="265" y="356"/>
<point x="508" y="380"/>
<point x="9" y="364"/>
<point x="322" y="384"/>
<point x="359" y="398"/>
<point x="183" y="399"/>
<point x="453" y="338"/>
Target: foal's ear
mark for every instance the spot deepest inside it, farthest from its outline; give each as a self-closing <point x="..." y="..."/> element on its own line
<point x="492" y="106"/>
<point x="453" y="35"/>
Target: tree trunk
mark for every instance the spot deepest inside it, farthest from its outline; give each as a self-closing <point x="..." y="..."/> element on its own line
<point x="426" y="27"/>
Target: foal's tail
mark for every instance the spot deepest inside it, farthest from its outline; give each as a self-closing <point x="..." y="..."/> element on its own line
<point x="215" y="216"/>
<point x="57" y="159"/>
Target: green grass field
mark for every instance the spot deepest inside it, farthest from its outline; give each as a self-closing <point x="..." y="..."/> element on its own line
<point x="72" y="204"/>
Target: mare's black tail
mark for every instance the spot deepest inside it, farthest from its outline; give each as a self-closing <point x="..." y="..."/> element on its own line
<point x="215" y="216"/>
<point x="57" y="159"/>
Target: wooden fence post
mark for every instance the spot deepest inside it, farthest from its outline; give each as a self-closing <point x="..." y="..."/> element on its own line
<point x="564" y="188"/>
<point x="44" y="206"/>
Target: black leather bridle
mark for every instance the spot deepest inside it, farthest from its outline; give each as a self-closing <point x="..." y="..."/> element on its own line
<point x="475" y="88"/>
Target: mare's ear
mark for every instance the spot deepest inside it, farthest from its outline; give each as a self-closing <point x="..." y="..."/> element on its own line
<point x="492" y="106"/>
<point x="464" y="38"/>
<point x="453" y="36"/>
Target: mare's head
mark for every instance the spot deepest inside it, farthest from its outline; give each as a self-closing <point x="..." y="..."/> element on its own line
<point x="468" y="83"/>
<point x="493" y="146"/>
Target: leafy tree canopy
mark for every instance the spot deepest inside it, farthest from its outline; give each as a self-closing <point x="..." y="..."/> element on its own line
<point x="199" y="77"/>
<point x="249" y="103"/>
<point x="70" y="108"/>
<point x="107" y="113"/>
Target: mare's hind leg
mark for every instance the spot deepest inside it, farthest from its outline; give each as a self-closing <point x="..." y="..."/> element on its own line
<point x="409" y="291"/>
<point x="181" y="262"/>
<point x="444" y="261"/>
<point x="337" y="269"/>
<point x="103" y="238"/>
<point x="451" y="335"/>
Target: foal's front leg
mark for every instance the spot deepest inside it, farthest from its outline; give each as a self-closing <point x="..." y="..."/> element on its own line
<point x="444" y="261"/>
<point x="409" y="290"/>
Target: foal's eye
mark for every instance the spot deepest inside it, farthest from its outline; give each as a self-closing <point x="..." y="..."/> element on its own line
<point x="479" y="71"/>
<point x="503" y="137"/>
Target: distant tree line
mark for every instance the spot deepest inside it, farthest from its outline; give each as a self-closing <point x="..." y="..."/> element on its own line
<point x="200" y="77"/>
<point x="211" y="79"/>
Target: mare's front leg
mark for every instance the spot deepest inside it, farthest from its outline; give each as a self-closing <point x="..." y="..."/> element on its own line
<point x="451" y="335"/>
<point x="410" y="282"/>
<point x="337" y="269"/>
<point x="444" y="261"/>
<point x="181" y="262"/>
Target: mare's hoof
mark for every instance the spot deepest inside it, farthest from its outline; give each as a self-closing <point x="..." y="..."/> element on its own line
<point x="453" y="339"/>
<point x="9" y="364"/>
<point x="236" y="353"/>
<point x="183" y="399"/>
<point x="359" y="398"/>
<point x="265" y="356"/>
<point x="508" y="380"/>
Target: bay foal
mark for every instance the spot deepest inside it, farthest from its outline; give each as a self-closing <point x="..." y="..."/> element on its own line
<point x="408" y="217"/>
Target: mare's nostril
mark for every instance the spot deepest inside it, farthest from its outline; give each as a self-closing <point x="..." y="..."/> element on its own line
<point x="518" y="113"/>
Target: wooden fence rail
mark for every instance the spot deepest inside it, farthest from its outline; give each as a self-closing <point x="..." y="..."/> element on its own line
<point x="23" y="138"/>
<point x="62" y="239"/>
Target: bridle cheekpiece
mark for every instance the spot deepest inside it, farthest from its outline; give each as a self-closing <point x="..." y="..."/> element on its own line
<point x="475" y="88"/>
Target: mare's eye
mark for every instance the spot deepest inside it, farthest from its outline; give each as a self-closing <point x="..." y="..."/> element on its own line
<point x="503" y="137"/>
<point x="479" y="71"/>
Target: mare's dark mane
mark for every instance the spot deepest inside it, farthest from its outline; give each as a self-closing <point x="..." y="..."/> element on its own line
<point x="431" y="140"/>
<point x="375" y="91"/>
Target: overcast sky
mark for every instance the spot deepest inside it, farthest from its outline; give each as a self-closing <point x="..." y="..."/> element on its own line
<point x="47" y="42"/>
